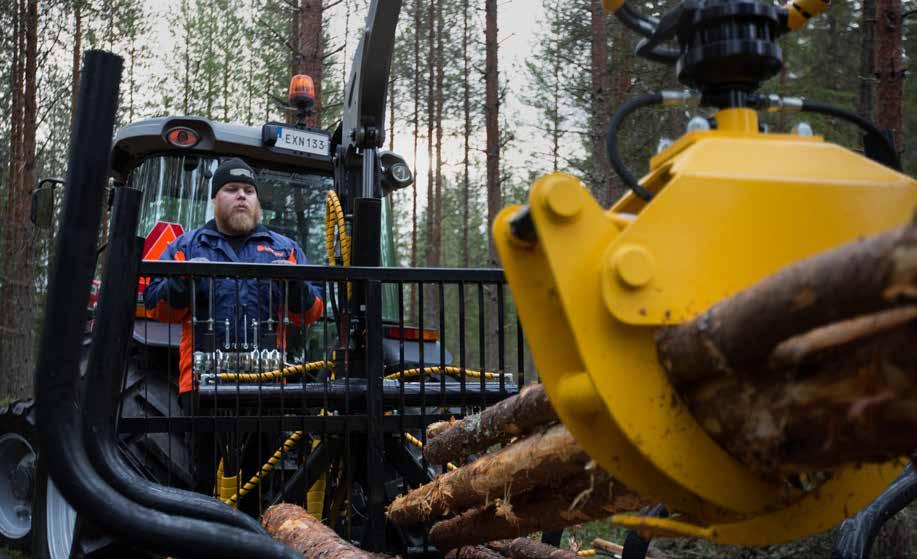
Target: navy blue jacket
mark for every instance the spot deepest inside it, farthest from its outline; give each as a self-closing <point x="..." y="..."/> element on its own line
<point x="236" y="302"/>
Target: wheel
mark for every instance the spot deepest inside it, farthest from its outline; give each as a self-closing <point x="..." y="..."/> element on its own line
<point x="18" y="458"/>
<point x="161" y="457"/>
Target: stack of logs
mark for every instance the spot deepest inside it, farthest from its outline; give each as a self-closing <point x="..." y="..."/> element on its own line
<point x="811" y="368"/>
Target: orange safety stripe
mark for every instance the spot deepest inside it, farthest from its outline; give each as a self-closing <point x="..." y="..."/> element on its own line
<point x="163" y="312"/>
<point x="185" y="382"/>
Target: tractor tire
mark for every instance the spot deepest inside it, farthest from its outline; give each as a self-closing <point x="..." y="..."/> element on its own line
<point x="163" y="458"/>
<point x="18" y="461"/>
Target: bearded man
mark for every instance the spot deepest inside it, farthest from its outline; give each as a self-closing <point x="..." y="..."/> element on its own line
<point x="245" y="313"/>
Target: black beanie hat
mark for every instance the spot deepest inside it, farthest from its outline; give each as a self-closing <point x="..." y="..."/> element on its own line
<point x="232" y="170"/>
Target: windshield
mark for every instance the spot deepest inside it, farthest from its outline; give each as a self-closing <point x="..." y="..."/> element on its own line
<point x="176" y="189"/>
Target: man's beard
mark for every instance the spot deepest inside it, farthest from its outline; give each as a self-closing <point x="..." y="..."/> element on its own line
<point x="239" y="223"/>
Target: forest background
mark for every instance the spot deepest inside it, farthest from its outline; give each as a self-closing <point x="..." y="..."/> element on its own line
<point x="477" y="131"/>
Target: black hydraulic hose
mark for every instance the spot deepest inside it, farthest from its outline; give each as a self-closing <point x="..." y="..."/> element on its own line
<point x="614" y="157"/>
<point x="646" y="27"/>
<point x="108" y="357"/>
<point x="857" y="534"/>
<point x="636" y="22"/>
<point x="891" y="154"/>
<point x="58" y="414"/>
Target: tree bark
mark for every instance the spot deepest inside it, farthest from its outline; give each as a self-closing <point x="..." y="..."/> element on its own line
<point x="17" y="297"/>
<point x="431" y="131"/>
<point x="310" y="52"/>
<point x="77" y="52"/>
<point x="621" y="78"/>
<point x="588" y="497"/>
<point x="296" y="528"/>
<point x="466" y="136"/>
<point x="416" y="119"/>
<point x="856" y="402"/>
<point x="440" y="102"/>
<point x="532" y="462"/>
<point x="525" y="548"/>
<point x="601" y="175"/>
<point x="739" y="333"/>
<point x="492" y="119"/>
<point x="866" y="100"/>
<point x="494" y="183"/>
<point x="889" y="69"/>
<point x="476" y="552"/>
<point x="495" y="424"/>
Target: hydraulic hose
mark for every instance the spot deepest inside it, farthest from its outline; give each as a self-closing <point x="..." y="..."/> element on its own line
<point x="857" y="534"/>
<point x="108" y="357"/>
<point x="890" y="154"/>
<point x="58" y="413"/>
<point x="614" y="157"/>
<point x="635" y="21"/>
<point x="646" y="27"/>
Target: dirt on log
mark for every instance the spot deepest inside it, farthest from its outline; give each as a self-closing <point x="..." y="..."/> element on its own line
<point x="475" y="552"/>
<point x="855" y="402"/>
<point x="535" y="461"/>
<point x="299" y="530"/>
<point x="856" y="279"/>
<point x="525" y="548"/>
<point x="587" y="497"/>
<point x="496" y="424"/>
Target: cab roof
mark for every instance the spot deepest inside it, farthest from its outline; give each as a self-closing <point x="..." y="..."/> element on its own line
<point x="140" y="139"/>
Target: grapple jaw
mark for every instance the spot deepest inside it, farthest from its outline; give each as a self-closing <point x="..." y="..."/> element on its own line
<point x="592" y="287"/>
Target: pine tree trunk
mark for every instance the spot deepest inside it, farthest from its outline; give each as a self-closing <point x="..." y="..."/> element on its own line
<point x="466" y="137"/>
<point x="494" y="182"/>
<point x="621" y="78"/>
<point x="492" y="112"/>
<point x="416" y="99"/>
<point x="601" y="174"/>
<point x="308" y="59"/>
<point x="429" y="308"/>
<point x="866" y="101"/>
<point x="889" y="68"/>
<point x="391" y="115"/>
<point x="17" y="297"/>
<point x="77" y="52"/>
<point x="439" y="103"/>
<point x="431" y="124"/>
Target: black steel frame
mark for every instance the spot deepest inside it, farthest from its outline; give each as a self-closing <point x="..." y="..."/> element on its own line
<point x="373" y="415"/>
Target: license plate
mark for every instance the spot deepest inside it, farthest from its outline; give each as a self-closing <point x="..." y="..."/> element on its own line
<point x="304" y="142"/>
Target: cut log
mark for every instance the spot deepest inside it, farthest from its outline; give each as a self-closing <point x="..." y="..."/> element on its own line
<point x="585" y="498"/>
<point x="476" y="552"/>
<point x="535" y="461"/>
<point x="794" y="351"/>
<point x="299" y="530"/>
<point x="849" y="404"/>
<point x="496" y="424"/>
<point x="525" y="548"/>
<point x="615" y="549"/>
<point x="739" y="333"/>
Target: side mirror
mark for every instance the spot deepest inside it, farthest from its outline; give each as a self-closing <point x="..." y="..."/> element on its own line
<point x="395" y="172"/>
<point x="42" y="211"/>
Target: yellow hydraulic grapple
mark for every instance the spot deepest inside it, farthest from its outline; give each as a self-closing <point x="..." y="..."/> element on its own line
<point x="719" y="210"/>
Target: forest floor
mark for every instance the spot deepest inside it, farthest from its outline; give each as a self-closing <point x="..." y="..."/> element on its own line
<point x="814" y="547"/>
